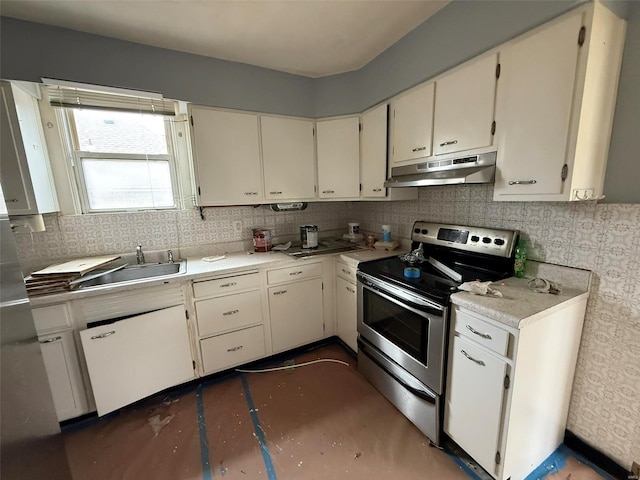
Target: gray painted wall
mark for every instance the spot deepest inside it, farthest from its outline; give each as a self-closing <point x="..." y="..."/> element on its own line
<point x="31" y="51"/>
<point x="455" y="34"/>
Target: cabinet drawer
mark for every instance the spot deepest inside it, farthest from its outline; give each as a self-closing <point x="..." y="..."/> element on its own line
<point x="295" y="273"/>
<point x="232" y="349"/>
<point x="484" y="333"/>
<point x="52" y="317"/>
<point x="345" y="271"/>
<point x="225" y="285"/>
<point x="217" y="315"/>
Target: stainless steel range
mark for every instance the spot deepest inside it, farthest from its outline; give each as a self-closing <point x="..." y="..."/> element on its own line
<point x="403" y="312"/>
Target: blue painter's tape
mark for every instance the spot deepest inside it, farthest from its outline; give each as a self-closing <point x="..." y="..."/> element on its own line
<point x="207" y="474"/>
<point x="266" y="456"/>
<point x="558" y="460"/>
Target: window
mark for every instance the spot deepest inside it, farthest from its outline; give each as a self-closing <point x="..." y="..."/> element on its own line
<point x="123" y="160"/>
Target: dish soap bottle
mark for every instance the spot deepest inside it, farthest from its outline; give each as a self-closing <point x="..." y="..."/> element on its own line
<point x="521" y="258"/>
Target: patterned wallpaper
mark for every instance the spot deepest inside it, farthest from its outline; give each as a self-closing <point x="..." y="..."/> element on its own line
<point x="604" y="238"/>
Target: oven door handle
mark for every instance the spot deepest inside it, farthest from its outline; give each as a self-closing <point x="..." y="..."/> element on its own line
<point x="364" y="349"/>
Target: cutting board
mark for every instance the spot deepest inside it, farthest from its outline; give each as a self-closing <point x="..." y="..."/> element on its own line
<point x="79" y="266"/>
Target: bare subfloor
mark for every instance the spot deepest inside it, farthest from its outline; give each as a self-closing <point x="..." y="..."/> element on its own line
<point x="322" y="421"/>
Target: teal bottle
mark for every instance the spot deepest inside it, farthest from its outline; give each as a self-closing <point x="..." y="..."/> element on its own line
<point x="521" y="258"/>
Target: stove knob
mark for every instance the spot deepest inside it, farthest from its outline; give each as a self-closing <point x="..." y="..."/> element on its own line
<point x="498" y="241"/>
<point x="486" y="240"/>
<point x="424" y="231"/>
<point x="416" y="230"/>
<point x="475" y="238"/>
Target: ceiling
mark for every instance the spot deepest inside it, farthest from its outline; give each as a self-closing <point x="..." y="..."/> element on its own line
<point x="314" y="38"/>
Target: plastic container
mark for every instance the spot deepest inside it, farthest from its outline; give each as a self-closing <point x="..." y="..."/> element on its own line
<point x="261" y="240"/>
<point x="309" y="236"/>
<point x="386" y="233"/>
<point x="354" y="229"/>
<point x="520" y="258"/>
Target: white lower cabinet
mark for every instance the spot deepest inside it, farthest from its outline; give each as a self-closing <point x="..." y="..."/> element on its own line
<point x="508" y="389"/>
<point x="296" y="310"/>
<point x="63" y="371"/>
<point x="347" y="305"/>
<point x="138" y="356"/>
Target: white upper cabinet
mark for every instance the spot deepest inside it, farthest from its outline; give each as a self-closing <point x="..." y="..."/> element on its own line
<point x="413" y="123"/>
<point x="226" y="152"/>
<point x="464" y="107"/>
<point x="555" y="107"/>
<point x="288" y="158"/>
<point x="373" y="152"/>
<point x="338" y="146"/>
<point x="25" y="172"/>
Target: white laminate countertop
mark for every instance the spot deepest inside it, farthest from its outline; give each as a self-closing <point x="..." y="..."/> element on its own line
<point x="354" y="258"/>
<point x="519" y="306"/>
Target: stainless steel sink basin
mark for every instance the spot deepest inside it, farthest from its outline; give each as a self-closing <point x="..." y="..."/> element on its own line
<point x="137" y="272"/>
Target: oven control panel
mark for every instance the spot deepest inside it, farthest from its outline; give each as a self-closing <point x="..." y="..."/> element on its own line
<point x="476" y="239"/>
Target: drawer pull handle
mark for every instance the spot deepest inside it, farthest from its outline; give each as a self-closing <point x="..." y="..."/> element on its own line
<point x="103" y="335"/>
<point x="349" y="289"/>
<point x="377" y="189"/>
<point x="234" y="349"/>
<point x="483" y="335"/>
<point x="280" y="292"/>
<point x="296" y="273"/>
<point x="522" y="182"/>
<point x="52" y="339"/>
<point x="479" y="362"/>
<point x="419" y="149"/>
<point x="275" y="193"/>
<point x="230" y="284"/>
<point x="231" y="312"/>
<point x="250" y="193"/>
<point x="450" y="142"/>
<point x="346" y="271"/>
<point x="328" y="191"/>
<point x="11" y="200"/>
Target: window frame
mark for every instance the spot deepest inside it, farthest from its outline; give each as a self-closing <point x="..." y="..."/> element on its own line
<point x="66" y="115"/>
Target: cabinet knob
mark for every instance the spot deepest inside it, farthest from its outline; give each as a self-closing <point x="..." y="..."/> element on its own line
<point x="419" y="149"/>
<point x="450" y="142"/>
<point x="52" y="339"/>
<point x="522" y="182"/>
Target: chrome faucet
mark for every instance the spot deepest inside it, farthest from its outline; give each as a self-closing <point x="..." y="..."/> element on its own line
<point x="169" y="256"/>
<point x="139" y="255"/>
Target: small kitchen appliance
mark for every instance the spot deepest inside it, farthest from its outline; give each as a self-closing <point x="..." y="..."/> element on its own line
<point x="403" y="312"/>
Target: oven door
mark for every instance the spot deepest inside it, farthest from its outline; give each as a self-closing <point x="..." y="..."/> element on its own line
<point x="408" y="329"/>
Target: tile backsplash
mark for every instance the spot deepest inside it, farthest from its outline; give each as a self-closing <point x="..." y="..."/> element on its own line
<point x="604" y="238"/>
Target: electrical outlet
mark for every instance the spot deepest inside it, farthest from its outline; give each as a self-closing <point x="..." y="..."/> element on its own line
<point x="237" y="226"/>
<point x="635" y="471"/>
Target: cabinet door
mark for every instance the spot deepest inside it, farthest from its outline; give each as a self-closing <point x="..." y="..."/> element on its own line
<point x="296" y="312"/>
<point x="288" y="158"/>
<point x="413" y="124"/>
<point x="373" y="152"/>
<point x="347" y="312"/>
<point x="339" y="158"/>
<point x="537" y="81"/>
<point x="473" y="409"/>
<point x="136" y="357"/>
<point x="63" y="371"/>
<point x="226" y="153"/>
<point x="14" y="170"/>
<point x="464" y="107"/>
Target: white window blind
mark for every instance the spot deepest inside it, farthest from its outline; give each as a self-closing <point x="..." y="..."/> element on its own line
<point x="76" y="97"/>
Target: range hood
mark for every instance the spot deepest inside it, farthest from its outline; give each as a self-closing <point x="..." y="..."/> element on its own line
<point x="472" y="169"/>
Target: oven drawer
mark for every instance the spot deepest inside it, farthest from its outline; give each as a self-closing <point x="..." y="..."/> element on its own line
<point x="293" y="274"/>
<point x="471" y="326"/>
<point x="232" y="349"/>
<point x="223" y="286"/>
<point x="220" y="314"/>
<point x="347" y="272"/>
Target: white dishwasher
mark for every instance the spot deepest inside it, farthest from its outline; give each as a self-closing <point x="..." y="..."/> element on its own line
<point x="132" y="358"/>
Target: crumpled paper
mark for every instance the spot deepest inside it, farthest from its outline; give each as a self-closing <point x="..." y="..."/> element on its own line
<point x="542" y="285"/>
<point x="480" y="288"/>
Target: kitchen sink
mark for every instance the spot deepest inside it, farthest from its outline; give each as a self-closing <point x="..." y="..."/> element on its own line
<point x="137" y="272"/>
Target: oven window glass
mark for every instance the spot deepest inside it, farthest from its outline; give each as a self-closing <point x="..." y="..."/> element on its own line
<point x="404" y="328"/>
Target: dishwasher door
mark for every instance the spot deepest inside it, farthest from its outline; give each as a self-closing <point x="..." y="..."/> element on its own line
<point x="133" y="358"/>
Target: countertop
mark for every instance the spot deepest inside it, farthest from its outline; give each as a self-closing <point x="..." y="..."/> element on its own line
<point x="519" y="306"/>
<point x="199" y="269"/>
